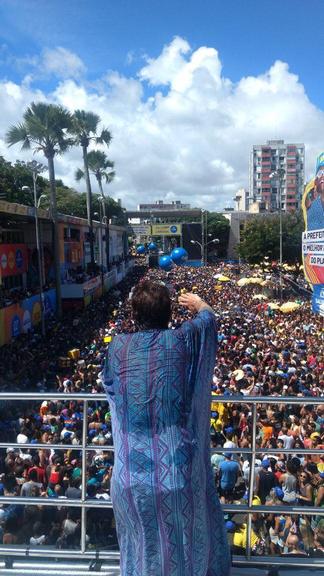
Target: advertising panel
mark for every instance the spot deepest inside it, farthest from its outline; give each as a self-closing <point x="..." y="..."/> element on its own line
<point x="21" y="317"/>
<point x="92" y="290"/>
<point x="13" y="259"/>
<point x="166" y="229"/>
<point x="313" y="236"/>
<point x="139" y="229"/>
<point x="91" y="286"/>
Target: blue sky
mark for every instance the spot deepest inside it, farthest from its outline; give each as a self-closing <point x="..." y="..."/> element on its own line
<point x="185" y="86"/>
<point x="249" y="34"/>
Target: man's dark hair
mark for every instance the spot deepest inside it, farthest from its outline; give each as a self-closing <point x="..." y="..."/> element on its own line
<point x="151" y="305"/>
<point x="33" y="475"/>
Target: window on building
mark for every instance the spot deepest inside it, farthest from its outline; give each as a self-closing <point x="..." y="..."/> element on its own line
<point x="75" y="234"/>
<point x="12" y="237"/>
<point x="10" y="282"/>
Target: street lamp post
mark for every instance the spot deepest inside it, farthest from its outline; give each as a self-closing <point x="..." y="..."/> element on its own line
<point x="279" y="176"/>
<point x="37" y="168"/>
<point x="105" y="220"/>
<point x="203" y="246"/>
<point x="237" y="199"/>
<point x="99" y="214"/>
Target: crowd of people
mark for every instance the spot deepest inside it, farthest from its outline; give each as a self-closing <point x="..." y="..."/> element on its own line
<point x="261" y="352"/>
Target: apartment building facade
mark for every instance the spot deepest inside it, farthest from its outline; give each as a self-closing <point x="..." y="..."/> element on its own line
<point x="269" y="160"/>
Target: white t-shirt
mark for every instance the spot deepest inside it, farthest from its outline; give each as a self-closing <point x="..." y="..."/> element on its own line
<point x="288" y="441"/>
<point x="37" y="541"/>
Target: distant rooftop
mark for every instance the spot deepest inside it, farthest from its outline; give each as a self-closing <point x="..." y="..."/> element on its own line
<point x="160" y="205"/>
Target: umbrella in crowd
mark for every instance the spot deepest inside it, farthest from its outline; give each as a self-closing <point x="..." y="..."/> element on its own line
<point x="243" y="282"/>
<point x="288" y="307"/>
<point x="259" y="297"/>
<point x="273" y="306"/>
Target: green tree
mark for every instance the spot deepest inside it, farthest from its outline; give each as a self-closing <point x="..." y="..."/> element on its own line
<point x="102" y="169"/>
<point x="260" y="238"/>
<point x="44" y="129"/>
<point x="217" y="227"/>
<point x="12" y="179"/>
<point x="84" y="130"/>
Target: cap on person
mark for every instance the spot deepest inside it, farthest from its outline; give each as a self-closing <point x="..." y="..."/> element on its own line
<point x="265" y="463"/>
<point x="229" y="525"/>
<point x="228" y="455"/>
<point x="279" y="492"/>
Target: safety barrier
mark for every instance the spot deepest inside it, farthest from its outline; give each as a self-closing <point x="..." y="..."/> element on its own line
<point x="11" y="551"/>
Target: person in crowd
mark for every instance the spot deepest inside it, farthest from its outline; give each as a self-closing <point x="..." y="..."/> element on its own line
<point x="228" y="474"/>
<point x="158" y="385"/>
<point x="265" y="480"/>
<point x="260" y="352"/>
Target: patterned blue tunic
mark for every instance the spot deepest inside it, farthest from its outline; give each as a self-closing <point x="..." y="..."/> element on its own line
<point x="169" y="520"/>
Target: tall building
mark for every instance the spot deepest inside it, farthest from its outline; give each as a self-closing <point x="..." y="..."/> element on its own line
<point x="269" y="159"/>
<point x="241" y="200"/>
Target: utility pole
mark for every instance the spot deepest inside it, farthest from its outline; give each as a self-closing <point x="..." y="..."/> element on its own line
<point x="202" y="237"/>
<point x="279" y="175"/>
<point x="37" y="168"/>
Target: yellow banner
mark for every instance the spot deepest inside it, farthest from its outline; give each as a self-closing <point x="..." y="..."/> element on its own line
<point x="166" y="229"/>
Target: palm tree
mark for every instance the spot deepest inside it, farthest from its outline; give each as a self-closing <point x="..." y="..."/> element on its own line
<point x="44" y="129"/>
<point x="85" y="130"/>
<point x="102" y="169"/>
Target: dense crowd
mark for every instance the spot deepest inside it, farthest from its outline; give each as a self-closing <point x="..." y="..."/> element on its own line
<point x="262" y="352"/>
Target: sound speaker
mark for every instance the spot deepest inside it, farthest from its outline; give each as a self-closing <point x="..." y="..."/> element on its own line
<point x="153" y="260"/>
<point x="192" y="232"/>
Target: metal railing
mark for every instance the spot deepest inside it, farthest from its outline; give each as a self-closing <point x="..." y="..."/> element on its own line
<point x="85" y="504"/>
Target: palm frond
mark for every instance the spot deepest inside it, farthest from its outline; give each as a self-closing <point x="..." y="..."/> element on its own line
<point x="79" y="174"/>
<point x="16" y="134"/>
<point x="109" y="176"/>
<point x="105" y="137"/>
<point x="84" y="123"/>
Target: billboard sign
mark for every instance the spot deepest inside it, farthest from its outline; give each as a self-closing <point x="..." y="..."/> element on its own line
<point x="166" y="229"/>
<point x="13" y="259"/>
<point x="313" y="236"/>
<point x="23" y="316"/>
<point x="139" y="229"/>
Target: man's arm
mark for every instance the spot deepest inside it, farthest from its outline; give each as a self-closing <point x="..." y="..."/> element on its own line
<point x="194" y="303"/>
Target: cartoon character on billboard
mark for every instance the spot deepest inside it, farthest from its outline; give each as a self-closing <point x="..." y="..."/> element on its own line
<point x="314" y="201"/>
<point x="313" y="237"/>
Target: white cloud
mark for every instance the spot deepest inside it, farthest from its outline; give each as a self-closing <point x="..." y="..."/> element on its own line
<point x="181" y="130"/>
<point x="166" y="67"/>
<point x="62" y="63"/>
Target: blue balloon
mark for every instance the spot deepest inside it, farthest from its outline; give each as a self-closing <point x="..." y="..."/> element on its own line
<point x="140" y="249"/>
<point x="152" y="246"/>
<point x="179" y="255"/>
<point x="165" y="263"/>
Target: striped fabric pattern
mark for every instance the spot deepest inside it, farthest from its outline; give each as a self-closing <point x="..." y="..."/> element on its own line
<point x="169" y="520"/>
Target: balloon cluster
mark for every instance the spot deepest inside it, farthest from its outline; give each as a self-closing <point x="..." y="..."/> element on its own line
<point x="178" y="256"/>
<point x="140" y="249"/>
